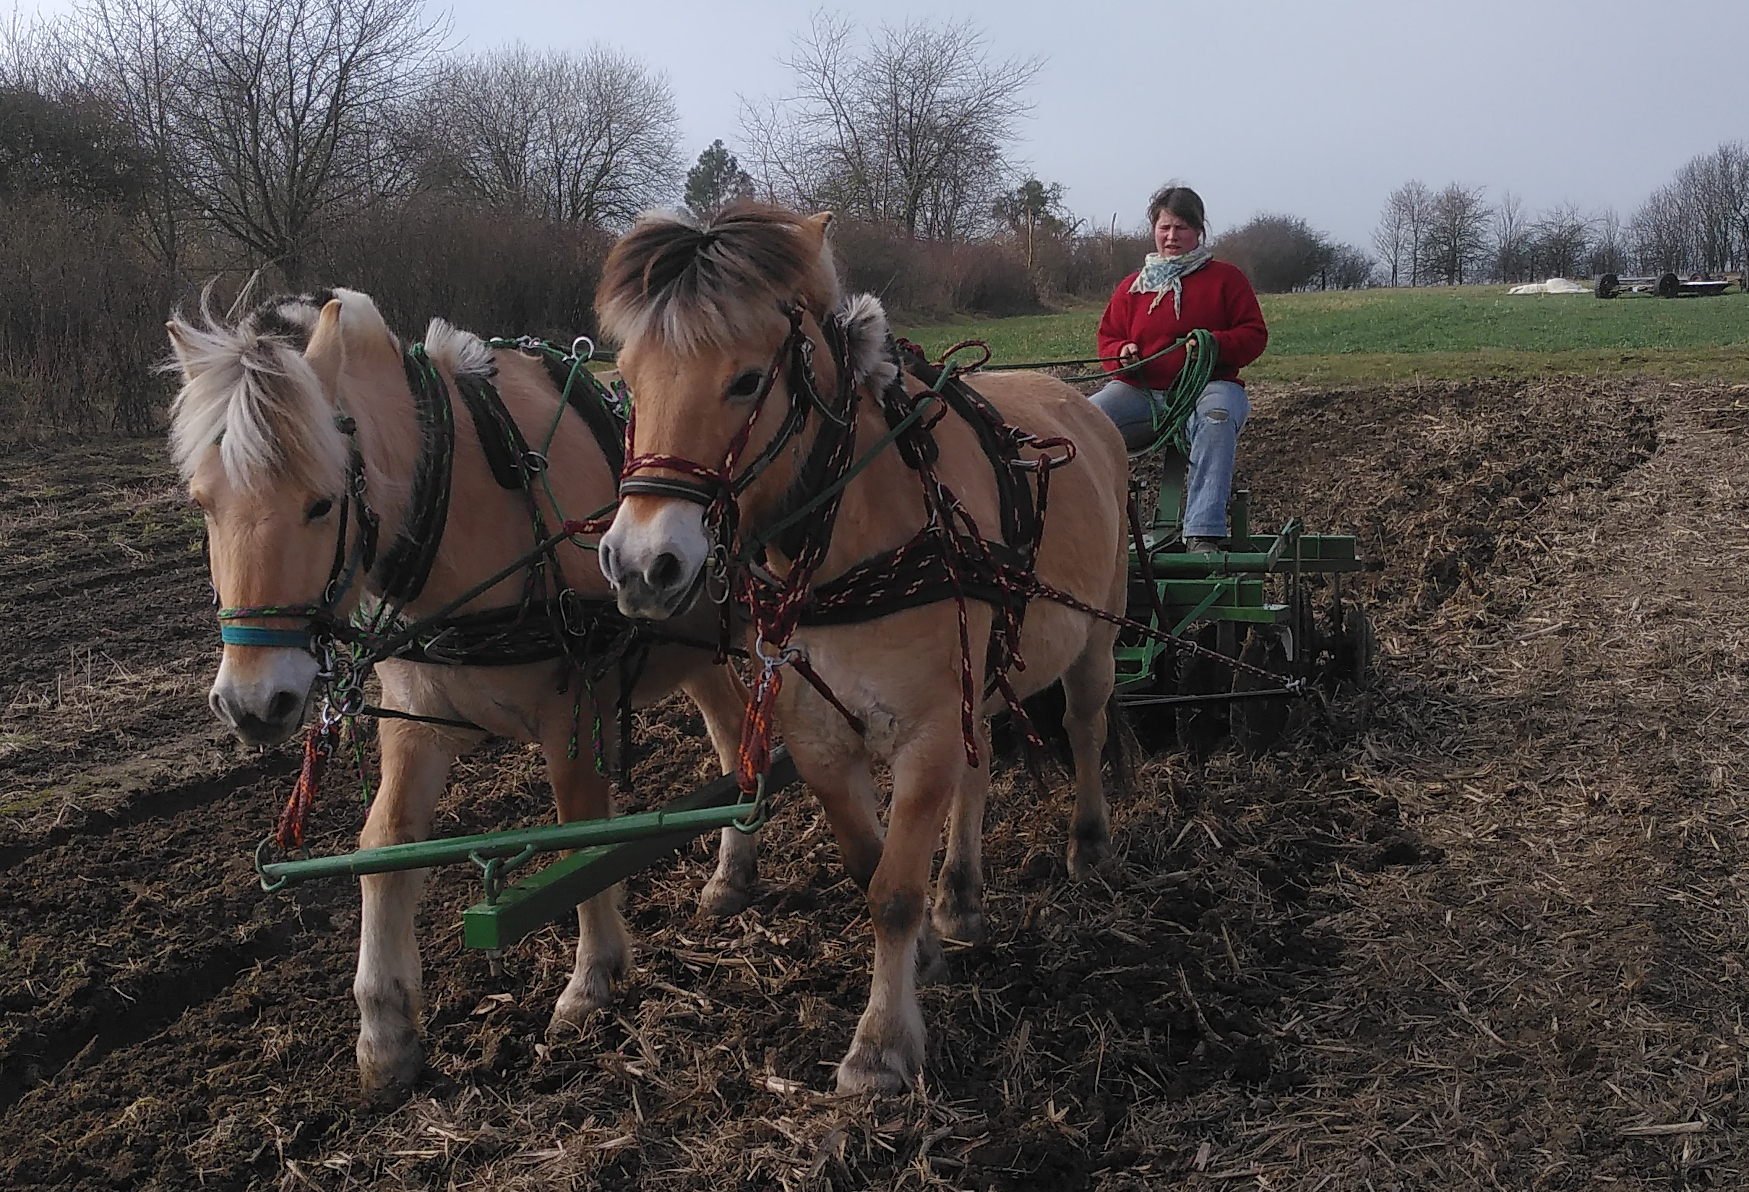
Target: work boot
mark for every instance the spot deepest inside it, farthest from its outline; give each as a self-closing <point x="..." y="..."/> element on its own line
<point x="1202" y="546"/>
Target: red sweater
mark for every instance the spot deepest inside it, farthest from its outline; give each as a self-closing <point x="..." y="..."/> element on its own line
<point x="1216" y="297"/>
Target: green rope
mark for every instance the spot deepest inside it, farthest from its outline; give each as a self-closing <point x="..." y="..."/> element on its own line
<point x="1172" y="415"/>
<point x="579" y="363"/>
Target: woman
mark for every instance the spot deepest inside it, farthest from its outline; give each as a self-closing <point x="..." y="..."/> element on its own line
<point x="1179" y="288"/>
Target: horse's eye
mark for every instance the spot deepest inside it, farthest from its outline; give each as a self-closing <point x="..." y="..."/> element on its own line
<point x="747" y="384"/>
<point x="320" y="509"/>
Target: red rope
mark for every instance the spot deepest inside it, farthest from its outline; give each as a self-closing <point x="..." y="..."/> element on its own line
<point x="318" y="744"/>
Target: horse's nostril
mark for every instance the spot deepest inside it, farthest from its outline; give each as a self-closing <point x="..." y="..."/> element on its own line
<point x="217" y="704"/>
<point x="604" y="556"/>
<point x="282" y="705"/>
<point x="666" y="572"/>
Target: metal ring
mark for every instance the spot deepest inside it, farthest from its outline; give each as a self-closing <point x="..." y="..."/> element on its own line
<point x="583" y="357"/>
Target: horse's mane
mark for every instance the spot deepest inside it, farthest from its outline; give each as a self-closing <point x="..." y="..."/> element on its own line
<point x="463" y="353"/>
<point x="248" y="389"/>
<point x="689" y="283"/>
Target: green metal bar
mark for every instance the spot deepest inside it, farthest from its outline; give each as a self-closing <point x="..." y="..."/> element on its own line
<point x="555" y="891"/>
<point x="1178" y="565"/>
<point x="1207" y="602"/>
<point x="421" y="854"/>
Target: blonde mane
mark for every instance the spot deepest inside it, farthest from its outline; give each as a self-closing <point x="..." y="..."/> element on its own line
<point x="463" y="353"/>
<point x="688" y="284"/>
<point x="248" y="390"/>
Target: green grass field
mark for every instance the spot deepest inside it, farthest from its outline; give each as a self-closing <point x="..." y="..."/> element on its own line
<point x="1454" y="333"/>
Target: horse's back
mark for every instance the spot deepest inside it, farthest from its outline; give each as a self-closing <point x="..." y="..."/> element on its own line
<point x="1083" y="534"/>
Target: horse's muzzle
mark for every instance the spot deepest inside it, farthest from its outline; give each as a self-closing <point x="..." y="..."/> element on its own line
<point x="656" y="567"/>
<point x="262" y="698"/>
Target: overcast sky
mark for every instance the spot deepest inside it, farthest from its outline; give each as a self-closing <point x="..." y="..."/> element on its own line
<point x="1316" y="109"/>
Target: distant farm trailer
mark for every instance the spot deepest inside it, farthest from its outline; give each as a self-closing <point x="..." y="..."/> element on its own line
<point x="1667" y="285"/>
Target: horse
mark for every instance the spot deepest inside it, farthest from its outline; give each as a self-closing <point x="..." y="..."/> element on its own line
<point x="721" y="320"/>
<point x="300" y="460"/>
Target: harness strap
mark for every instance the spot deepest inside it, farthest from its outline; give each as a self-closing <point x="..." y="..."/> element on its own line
<point x="501" y="440"/>
<point x="407" y="564"/>
<point x="590" y="403"/>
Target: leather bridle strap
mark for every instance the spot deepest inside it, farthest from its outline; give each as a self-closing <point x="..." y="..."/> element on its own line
<point x="717" y="487"/>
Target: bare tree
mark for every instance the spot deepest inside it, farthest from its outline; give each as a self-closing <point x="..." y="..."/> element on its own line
<point x="289" y="110"/>
<point x="136" y="55"/>
<point x="908" y="126"/>
<point x="1562" y="235"/>
<point x="1456" y="238"/>
<point x="588" y="138"/>
<point x="1277" y="253"/>
<point x="1511" y="239"/>
<point x="1390" y="239"/>
<point x="1608" y="252"/>
<point x="1658" y="231"/>
<point x="1402" y="230"/>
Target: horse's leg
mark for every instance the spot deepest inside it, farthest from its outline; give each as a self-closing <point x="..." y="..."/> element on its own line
<point x="887" y="1052"/>
<point x="959" y="891"/>
<point x="722" y="702"/>
<point x="1087" y="686"/>
<point x="603" y="946"/>
<point x="415" y="766"/>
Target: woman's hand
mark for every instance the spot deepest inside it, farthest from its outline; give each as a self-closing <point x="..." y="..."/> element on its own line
<point x="1128" y="355"/>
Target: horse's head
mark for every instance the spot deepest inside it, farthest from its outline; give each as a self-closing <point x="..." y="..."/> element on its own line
<point x="708" y="316"/>
<point x="257" y="436"/>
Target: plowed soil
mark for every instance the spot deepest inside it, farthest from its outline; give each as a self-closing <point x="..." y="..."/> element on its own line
<point x="1482" y="926"/>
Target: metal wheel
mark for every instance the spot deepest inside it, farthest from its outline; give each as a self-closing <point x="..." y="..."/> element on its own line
<point x="1201" y="727"/>
<point x="1258" y="723"/>
<point x="1357" y="648"/>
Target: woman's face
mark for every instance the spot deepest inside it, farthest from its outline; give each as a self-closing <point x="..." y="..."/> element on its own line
<point x="1172" y="236"/>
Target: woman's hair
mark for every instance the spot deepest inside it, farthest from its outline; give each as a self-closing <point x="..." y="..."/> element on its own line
<point x="1182" y="201"/>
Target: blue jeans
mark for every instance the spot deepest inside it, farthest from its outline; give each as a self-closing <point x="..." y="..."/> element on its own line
<point x="1213" y="432"/>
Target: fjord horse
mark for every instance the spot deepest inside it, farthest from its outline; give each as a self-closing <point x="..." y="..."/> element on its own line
<point x="707" y="315"/>
<point x="289" y="453"/>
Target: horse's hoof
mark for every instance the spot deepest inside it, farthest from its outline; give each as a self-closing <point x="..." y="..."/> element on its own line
<point x="964" y="925"/>
<point x="722" y="897"/>
<point x="589" y="990"/>
<point x="386" y="1075"/>
<point x="876" y="1070"/>
<point x="1087" y="848"/>
<point x="931" y="961"/>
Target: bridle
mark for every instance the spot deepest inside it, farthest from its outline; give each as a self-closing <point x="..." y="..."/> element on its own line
<point x="715" y="488"/>
<point x="321" y="626"/>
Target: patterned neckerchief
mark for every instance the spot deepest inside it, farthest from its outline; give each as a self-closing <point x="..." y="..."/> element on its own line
<point x="1161" y="274"/>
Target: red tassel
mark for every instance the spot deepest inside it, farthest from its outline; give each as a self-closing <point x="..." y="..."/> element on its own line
<point x="290" y="833"/>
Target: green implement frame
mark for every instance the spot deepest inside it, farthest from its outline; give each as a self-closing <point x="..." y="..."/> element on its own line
<point x="1226" y="589"/>
<point x="607" y="851"/>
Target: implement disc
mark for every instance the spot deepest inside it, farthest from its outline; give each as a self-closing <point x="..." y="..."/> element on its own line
<point x="1201" y="727"/>
<point x="1258" y="723"/>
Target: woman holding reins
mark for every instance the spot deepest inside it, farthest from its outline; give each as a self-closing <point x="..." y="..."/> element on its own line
<point x="1179" y="288"/>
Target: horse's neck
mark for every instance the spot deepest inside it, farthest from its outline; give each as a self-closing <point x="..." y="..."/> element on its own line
<point x="882" y="507"/>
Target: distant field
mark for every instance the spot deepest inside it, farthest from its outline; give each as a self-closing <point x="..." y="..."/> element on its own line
<point x="1461" y="332"/>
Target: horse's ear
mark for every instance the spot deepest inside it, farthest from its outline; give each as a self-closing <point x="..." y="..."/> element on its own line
<point x="327" y="349"/>
<point x="866" y="335"/>
<point x="817" y="225"/>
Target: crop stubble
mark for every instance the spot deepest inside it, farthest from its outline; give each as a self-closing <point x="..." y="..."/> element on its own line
<point x="1487" y="932"/>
